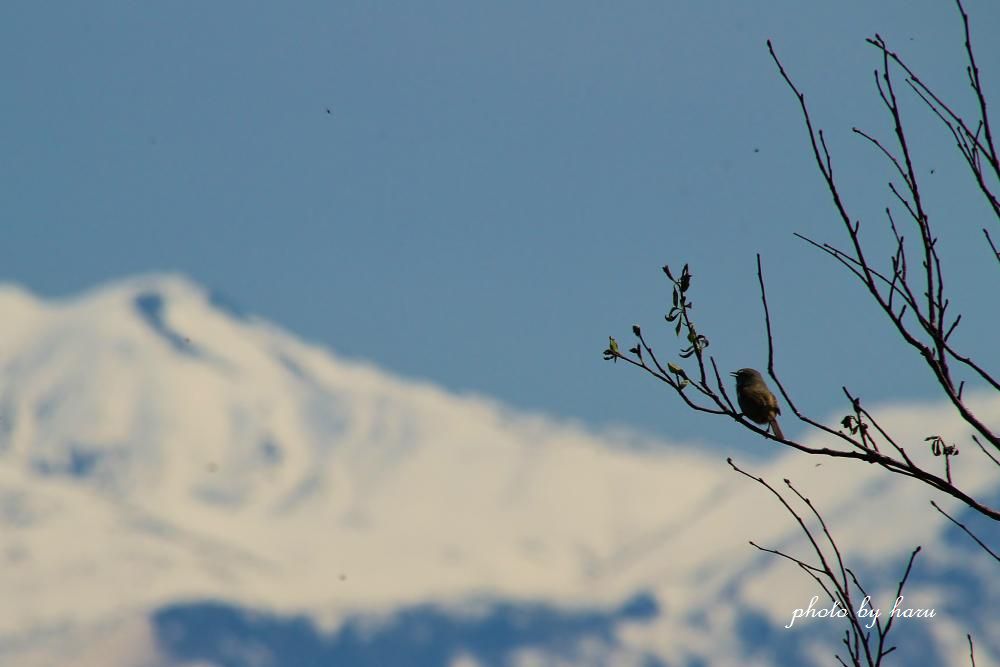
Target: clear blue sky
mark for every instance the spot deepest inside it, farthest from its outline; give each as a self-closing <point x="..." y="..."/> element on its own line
<point x="496" y="184"/>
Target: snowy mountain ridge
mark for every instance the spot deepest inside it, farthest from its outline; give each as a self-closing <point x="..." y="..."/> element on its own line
<point x="158" y="446"/>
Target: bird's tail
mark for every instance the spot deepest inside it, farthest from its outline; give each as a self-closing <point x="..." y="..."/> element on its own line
<point x="776" y="429"/>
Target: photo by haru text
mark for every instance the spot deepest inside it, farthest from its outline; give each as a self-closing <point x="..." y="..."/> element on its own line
<point x="865" y="610"/>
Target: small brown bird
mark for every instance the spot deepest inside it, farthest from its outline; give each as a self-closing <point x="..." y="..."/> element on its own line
<point x="756" y="400"/>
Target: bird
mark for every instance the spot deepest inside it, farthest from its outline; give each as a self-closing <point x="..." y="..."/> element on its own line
<point x="756" y="400"/>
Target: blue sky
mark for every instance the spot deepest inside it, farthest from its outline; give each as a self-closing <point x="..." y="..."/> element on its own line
<point x="495" y="185"/>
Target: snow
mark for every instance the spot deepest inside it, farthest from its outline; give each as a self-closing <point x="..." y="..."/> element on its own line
<point x="155" y="448"/>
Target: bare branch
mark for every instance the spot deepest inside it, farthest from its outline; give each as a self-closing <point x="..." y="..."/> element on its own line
<point x="996" y="253"/>
<point x="966" y="530"/>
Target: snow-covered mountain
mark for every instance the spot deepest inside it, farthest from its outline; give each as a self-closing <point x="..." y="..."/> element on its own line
<point x="181" y="483"/>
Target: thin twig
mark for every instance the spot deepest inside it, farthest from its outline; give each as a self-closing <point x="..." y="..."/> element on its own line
<point x="966" y="530"/>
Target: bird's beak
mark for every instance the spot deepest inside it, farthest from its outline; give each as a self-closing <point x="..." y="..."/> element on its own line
<point x="734" y="373"/>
